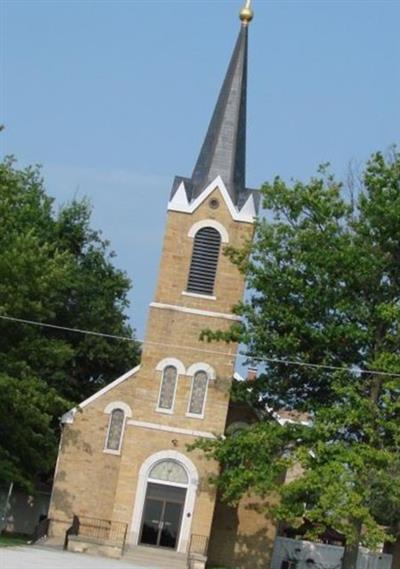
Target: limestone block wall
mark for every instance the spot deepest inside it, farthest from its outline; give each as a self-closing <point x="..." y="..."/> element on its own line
<point x="177" y="252"/>
<point x="86" y="477"/>
<point x="90" y="482"/>
<point x="142" y="444"/>
<point x="182" y="334"/>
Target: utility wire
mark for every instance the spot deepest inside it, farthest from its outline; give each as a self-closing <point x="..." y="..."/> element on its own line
<point x="77" y="330"/>
<point x="202" y="350"/>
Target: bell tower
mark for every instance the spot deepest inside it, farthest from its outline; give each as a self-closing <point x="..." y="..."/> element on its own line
<point x="197" y="284"/>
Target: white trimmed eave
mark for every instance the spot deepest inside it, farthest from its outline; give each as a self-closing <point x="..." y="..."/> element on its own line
<point x="287" y="420"/>
<point x="179" y="201"/>
<point x="69" y="416"/>
<point x="274" y="414"/>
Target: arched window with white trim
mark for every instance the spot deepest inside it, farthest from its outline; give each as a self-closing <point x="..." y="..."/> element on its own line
<point x="204" y="262"/>
<point x="115" y="430"/>
<point x="166" y="398"/>
<point x="198" y="394"/>
<point x="119" y="412"/>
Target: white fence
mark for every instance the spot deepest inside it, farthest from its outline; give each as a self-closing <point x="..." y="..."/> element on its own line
<point x="309" y="555"/>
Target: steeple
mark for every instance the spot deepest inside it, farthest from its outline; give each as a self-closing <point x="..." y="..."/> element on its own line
<point x="224" y="148"/>
<point x="223" y="153"/>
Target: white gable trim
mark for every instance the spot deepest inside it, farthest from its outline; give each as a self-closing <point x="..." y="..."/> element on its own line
<point x="237" y="376"/>
<point x="110" y="386"/>
<point x="69" y="416"/>
<point x="209" y="223"/>
<point x="249" y="208"/>
<point x="180" y="202"/>
<point x="180" y="197"/>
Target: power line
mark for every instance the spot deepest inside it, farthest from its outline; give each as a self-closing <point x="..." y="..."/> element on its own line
<point x="66" y="328"/>
<point x="202" y="350"/>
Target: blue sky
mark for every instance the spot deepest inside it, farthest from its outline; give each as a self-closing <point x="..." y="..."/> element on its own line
<point x="113" y="99"/>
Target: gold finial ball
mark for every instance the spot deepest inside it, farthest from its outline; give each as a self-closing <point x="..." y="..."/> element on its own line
<point x="246" y="13"/>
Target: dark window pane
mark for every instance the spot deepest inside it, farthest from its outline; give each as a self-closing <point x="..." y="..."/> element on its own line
<point x="162" y="492"/>
<point x="171" y="525"/>
<point x="151" y="521"/>
<point x="203" y="266"/>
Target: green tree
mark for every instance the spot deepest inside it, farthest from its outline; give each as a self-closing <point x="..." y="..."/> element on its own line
<point x="54" y="268"/>
<point x="324" y="275"/>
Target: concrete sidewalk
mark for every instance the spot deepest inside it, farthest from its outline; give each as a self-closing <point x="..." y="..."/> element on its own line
<point x="35" y="557"/>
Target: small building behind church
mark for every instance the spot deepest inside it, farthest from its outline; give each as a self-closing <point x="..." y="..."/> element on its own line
<point x="123" y="468"/>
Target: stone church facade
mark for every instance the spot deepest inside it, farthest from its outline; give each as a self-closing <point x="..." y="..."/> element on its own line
<point x="123" y="453"/>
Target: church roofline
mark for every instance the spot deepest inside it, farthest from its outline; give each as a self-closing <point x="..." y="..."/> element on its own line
<point x="69" y="416"/>
<point x="181" y="202"/>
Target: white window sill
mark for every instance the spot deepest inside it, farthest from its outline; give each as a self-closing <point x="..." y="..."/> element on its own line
<point x="114" y="452"/>
<point x="196" y="295"/>
<point x="195" y="415"/>
<point x="165" y="411"/>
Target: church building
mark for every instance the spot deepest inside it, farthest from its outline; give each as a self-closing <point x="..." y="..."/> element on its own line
<point x="124" y="470"/>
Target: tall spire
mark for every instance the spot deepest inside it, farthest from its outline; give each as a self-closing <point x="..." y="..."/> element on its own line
<point x="224" y="148"/>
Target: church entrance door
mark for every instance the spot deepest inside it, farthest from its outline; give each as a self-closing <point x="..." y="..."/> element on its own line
<point x="162" y="515"/>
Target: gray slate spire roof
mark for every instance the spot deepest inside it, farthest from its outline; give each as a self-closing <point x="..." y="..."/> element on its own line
<point x="224" y="149"/>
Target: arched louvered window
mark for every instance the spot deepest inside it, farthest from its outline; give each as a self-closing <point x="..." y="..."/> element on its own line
<point x="198" y="394"/>
<point x="115" y="430"/>
<point x="203" y="266"/>
<point x="167" y="389"/>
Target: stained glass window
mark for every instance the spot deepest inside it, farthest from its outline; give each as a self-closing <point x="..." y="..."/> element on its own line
<point x="169" y="471"/>
<point x="115" y="430"/>
<point x="199" y="389"/>
<point x="167" y="391"/>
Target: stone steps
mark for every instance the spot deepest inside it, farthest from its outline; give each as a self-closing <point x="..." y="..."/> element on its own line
<point x="155" y="558"/>
<point x="51" y="542"/>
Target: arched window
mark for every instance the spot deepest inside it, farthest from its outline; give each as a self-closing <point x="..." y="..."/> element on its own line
<point x="198" y="394"/>
<point x="115" y="430"/>
<point x="203" y="266"/>
<point x="167" y="389"/>
<point x="169" y="471"/>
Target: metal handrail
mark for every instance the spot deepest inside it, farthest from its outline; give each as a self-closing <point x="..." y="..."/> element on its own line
<point x="198" y="545"/>
<point x="101" y="529"/>
<point x="41" y="529"/>
<point x="98" y="530"/>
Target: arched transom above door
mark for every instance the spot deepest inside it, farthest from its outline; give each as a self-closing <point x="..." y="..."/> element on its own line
<point x="169" y="471"/>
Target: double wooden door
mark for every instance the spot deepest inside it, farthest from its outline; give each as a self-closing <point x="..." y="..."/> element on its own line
<point x="162" y="515"/>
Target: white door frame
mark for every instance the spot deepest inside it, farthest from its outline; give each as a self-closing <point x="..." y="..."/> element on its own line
<point x="188" y="508"/>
